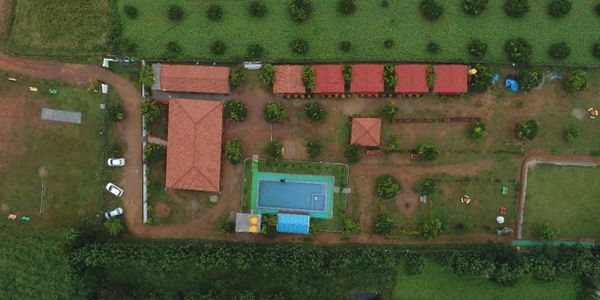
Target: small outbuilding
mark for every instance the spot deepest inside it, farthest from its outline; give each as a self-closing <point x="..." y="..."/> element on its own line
<point x="450" y="80"/>
<point x="289" y="223"/>
<point x="412" y="79"/>
<point x="367" y="79"/>
<point x="288" y="80"/>
<point x="366" y="132"/>
<point x="245" y="222"/>
<point x="191" y="79"/>
<point x="329" y="79"/>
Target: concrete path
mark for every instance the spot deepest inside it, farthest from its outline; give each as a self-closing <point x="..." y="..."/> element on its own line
<point x="156" y="140"/>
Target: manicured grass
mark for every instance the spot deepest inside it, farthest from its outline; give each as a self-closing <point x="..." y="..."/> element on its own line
<point x="366" y="29"/>
<point x="565" y="198"/>
<point x="60" y="27"/>
<point x="437" y="283"/>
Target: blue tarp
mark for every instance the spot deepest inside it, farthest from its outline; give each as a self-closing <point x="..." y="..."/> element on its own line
<point x="288" y="223"/>
<point x="512" y="84"/>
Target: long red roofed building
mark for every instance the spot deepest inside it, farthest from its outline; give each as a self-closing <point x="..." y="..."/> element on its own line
<point x="191" y="79"/>
<point x="367" y="79"/>
<point x="288" y="80"/>
<point x="412" y="79"/>
<point x="450" y="79"/>
<point x="194" y="145"/>
<point x="366" y="132"/>
<point x="329" y="79"/>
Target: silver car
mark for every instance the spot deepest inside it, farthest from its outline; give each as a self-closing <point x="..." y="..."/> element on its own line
<point x="113" y="213"/>
<point x="114" y="189"/>
<point x="116" y="162"/>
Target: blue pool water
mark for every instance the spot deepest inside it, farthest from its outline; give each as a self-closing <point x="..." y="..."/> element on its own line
<point x="292" y="195"/>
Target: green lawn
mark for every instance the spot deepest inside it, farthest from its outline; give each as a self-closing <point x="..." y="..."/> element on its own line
<point x="437" y="283"/>
<point x="565" y="198"/>
<point x="366" y="29"/>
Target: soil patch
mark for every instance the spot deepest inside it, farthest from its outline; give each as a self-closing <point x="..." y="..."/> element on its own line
<point x="5" y="11"/>
<point x="162" y="209"/>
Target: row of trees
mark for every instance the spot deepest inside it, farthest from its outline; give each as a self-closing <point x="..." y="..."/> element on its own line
<point x="433" y="9"/>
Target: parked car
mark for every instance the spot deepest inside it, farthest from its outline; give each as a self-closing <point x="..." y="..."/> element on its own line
<point x="114" y="189"/>
<point x="113" y="213"/>
<point x="116" y="162"/>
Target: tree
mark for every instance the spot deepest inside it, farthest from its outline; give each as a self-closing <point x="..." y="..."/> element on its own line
<point x="428" y="152"/>
<point x="414" y="263"/>
<point x="389" y="111"/>
<point x="274" y="149"/>
<point x="388" y="44"/>
<point x="173" y="50"/>
<point x="518" y="50"/>
<point x="547" y="232"/>
<point x="477" y="131"/>
<point x="267" y="76"/>
<point x="274" y="112"/>
<point x="130" y="11"/>
<point x="384" y="225"/>
<point x="313" y="148"/>
<point x="300" y="10"/>
<point x="153" y="152"/>
<point x="115" y="112"/>
<point x="474" y="7"/>
<point x="597" y="9"/>
<point x="392" y="145"/>
<point x="347" y="74"/>
<point x="431" y="228"/>
<point x="314" y="112"/>
<point x="214" y="12"/>
<point x="530" y="79"/>
<point x="308" y="77"/>
<point x="596" y="47"/>
<point x="433" y="47"/>
<point x="577" y="81"/>
<point x="151" y="111"/>
<point x="559" y="8"/>
<point x="431" y="9"/>
<point x="235" y="110"/>
<point x="560" y="51"/>
<point x="217" y="47"/>
<point x="299" y="46"/>
<point x="352" y="153"/>
<point x="480" y="81"/>
<point x="572" y="133"/>
<point x="527" y="130"/>
<point x="175" y="13"/>
<point x="114" y="227"/>
<point x="228" y="226"/>
<point x="389" y="76"/>
<point x="147" y="76"/>
<point x="477" y="48"/>
<point x="426" y="187"/>
<point x="236" y="76"/>
<point x="387" y="186"/>
<point x="430" y="76"/>
<point x="346" y="7"/>
<point x="351" y="226"/>
<point x="516" y="8"/>
<point x="233" y="151"/>
<point x="257" y="9"/>
<point x="345" y="46"/>
<point x="255" y="51"/>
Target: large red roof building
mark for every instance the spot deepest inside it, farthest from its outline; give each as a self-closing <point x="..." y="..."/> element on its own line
<point x="367" y="79"/>
<point x="194" y="145"/>
<point x="450" y="79"/>
<point x="193" y="79"/>
<point x="329" y="79"/>
<point x="288" y="80"/>
<point x="366" y="132"/>
<point x="412" y="79"/>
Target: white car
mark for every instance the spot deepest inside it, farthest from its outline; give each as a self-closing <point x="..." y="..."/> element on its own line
<point x="114" y="189"/>
<point x="116" y="162"/>
<point x="113" y="213"/>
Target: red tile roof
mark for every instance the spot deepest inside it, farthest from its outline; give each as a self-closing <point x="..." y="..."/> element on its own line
<point x="194" y="145"/>
<point x="194" y="79"/>
<point x="450" y="79"/>
<point x="329" y="79"/>
<point x="412" y="79"/>
<point x="367" y="79"/>
<point x="288" y="80"/>
<point x="366" y="132"/>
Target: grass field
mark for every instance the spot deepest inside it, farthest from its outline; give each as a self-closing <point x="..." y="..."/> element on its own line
<point x="366" y="29"/>
<point x="565" y="198"/>
<point x="437" y="283"/>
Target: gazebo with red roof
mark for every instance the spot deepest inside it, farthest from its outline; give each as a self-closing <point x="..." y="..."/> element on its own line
<point x="288" y="80"/>
<point x="191" y="78"/>
<point x="367" y="79"/>
<point x="366" y="132"/>
<point x="412" y="79"/>
<point x="450" y="80"/>
<point x="194" y="145"/>
<point x="329" y="79"/>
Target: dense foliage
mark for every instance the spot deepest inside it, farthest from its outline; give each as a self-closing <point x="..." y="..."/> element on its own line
<point x="596" y="50"/>
<point x="313" y="148"/>
<point x="516" y="8"/>
<point x="236" y="76"/>
<point x="130" y="11"/>
<point x="547" y="232"/>
<point x="428" y="152"/>
<point x="267" y="76"/>
<point x="431" y="228"/>
<point x="300" y="10"/>
<point x="255" y="51"/>
<point x="214" y="12"/>
<point x="389" y="76"/>
<point x="572" y="133"/>
<point x="577" y="81"/>
<point x="384" y="224"/>
<point x="274" y="149"/>
<point x="474" y="7"/>
<point x="480" y="81"/>
<point x="235" y="110"/>
<point x="478" y="131"/>
<point x="314" y="112"/>
<point x="431" y="9"/>
<point x="153" y="152"/>
<point x="433" y="47"/>
<point x="115" y="112"/>
<point x="389" y="111"/>
<point x="151" y="111"/>
<point x="530" y="79"/>
<point x="218" y="47"/>
<point x="309" y="78"/>
<point x="518" y="50"/>
<point x="387" y="186"/>
<point x="560" y="51"/>
<point x="346" y="7"/>
<point x="351" y="226"/>
<point x="414" y="264"/>
<point x="299" y="46"/>
<point x="352" y="153"/>
<point x="527" y="130"/>
<point x="175" y="13"/>
<point x="477" y="48"/>
<point x="345" y="46"/>
<point x="559" y="8"/>
<point x="114" y="227"/>
<point x="347" y="74"/>
<point x="173" y="50"/>
<point x="258" y="9"/>
<point x="388" y="44"/>
<point x="392" y="145"/>
<point x="426" y="187"/>
<point x="147" y="76"/>
<point x="274" y="112"/>
<point x="233" y="151"/>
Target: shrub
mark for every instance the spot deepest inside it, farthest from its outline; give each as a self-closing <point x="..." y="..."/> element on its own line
<point x="572" y="133"/>
<point x="345" y="46"/>
<point x="308" y="77"/>
<point x="547" y="232"/>
<point x="431" y="228"/>
<point x="269" y="225"/>
<point x="233" y="151"/>
<point x="175" y="13"/>
<point x="147" y="76"/>
<point x="597" y="9"/>
<point x="431" y="9"/>
<point x="217" y="47"/>
<point x="596" y="50"/>
<point x="258" y="9"/>
<point x="274" y="112"/>
<point x="114" y="227"/>
<point x="387" y="186"/>
<point x="392" y="145"/>
<point x="313" y="148"/>
<point x="389" y="111"/>
<point x="477" y="48"/>
<point x="113" y="149"/>
<point x="115" y="112"/>
<point x="389" y="77"/>
<point x="228" y="226"/>
<point x="388" y="44"/>
<point x="299" y="46"/>
<point x="214" y="12"/>
<point x="426" y="187"/>
<point x="577" y="81"/>
<point x="154" y="152"/>
<point x="352" y="153"/>
<point x="236" y="76"/>
<point x="530" y="79"/>
<point x="384" y="225"/>
<point x="414" y="264"/>
<point x="351" y="226"/>
<point x="314" y="112"/>
<point x="267" y="76"/>
<point x="481" y="81"/>
<point x="255" y="51"/>
<point x="235" y="110"/>
<point x="474" y="7"/>
<point x="430" y="76"/>
<point x="347" y="74"/>
<point x="516" y="8"/>
<point x="433" y="47"/>
<point x="527" y="130"/>
<point x="173" y="50"/>
<point x="428" y="152"/>
<point x="151" y="111"/>
<point x="130" y="11"/>
<point x="274" y="149"/>
<point x="560" y="51"/>
<point x="300" y="9"/>
<point x="385" y="3"/>
<point x="477" y="131"/>
<point x="559" y="8"/>
<point x="346" y="7"/>
<point x="518" y="50"/>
